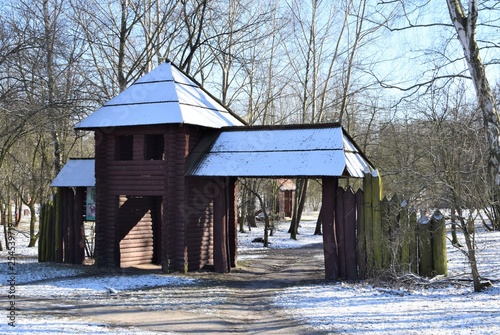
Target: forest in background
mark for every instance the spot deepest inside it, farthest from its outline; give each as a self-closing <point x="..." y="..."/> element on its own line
<point x="393" y="73"/>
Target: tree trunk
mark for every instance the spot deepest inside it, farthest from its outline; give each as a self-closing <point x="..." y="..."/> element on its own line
<point x="465" y="25"/>
<point x="194" y="36"/>
<point x="454" y="238"/>
<point x="49" y="27"/>
<point x="250" y="205"/>
<point x="298" y="208"/>
<point x="244" y="214"/>
<point x="122" y="80"/>
<point x="33" y="236"/>
<point x="317" y="230"/>
<point x="468" y="230"/>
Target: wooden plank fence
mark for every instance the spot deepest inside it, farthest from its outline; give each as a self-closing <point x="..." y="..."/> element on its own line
<point x="61" y="227"/>
<point x="378" y="235"/>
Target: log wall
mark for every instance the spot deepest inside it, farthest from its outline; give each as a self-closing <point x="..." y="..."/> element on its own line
<point x="137" y="225"/>
<point x="183" y="238"/>
<point x="199" y="223"/>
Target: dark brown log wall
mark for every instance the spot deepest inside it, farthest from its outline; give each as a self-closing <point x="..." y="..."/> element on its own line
<point x="137" y="224"/>
<point x="176" y="143"/>
<point x="184" y="237"/>
<point x="105" y="204"/>
<point x="115" y="178"/>
<point x="329" y="204"/>
<point x="199" y="222"/>
<point x="225" y="222"/>
<point x="187" y="207"/>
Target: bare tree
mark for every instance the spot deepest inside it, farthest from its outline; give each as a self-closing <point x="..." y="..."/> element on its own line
<point x="324" y="50"/>
<point x="459" y="173"/>
<point x="50" y="24"/>
<point x="31" y="173"/>
<point x="465" y="24"/>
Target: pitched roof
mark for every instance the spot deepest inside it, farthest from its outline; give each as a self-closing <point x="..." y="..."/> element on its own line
<point x="163" y="96"/>
<point x="293" y="151"/>
<point x="76" y="173"/>
<point x="286" y="184"/>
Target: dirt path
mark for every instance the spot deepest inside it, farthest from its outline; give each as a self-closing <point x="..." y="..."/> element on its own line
<point x="235" y="303"/>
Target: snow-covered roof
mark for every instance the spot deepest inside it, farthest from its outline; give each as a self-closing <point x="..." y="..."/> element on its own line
<point x="286" y="184"/>
<point x="163" y="96"/>
<point x="313" y="151"/>
<point x="76" y="173"/>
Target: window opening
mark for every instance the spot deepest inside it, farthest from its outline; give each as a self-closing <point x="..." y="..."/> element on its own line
<point x="153" y="149"/>
<point x="125" y="147"/>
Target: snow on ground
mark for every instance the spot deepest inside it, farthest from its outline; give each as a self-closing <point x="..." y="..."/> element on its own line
<point x="350" y="308"/>
<point x="358" y="308"/>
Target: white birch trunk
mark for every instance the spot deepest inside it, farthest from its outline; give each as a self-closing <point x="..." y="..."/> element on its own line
<point x="465" y="26"/>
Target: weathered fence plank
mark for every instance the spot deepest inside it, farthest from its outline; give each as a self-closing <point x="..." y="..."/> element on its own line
<point x="340" y="233"/>
<point x="439" y="256"/>
<point x="404" y="237"/>
<point x="350" y="219"/>
<point x="377" y="223"/>
<point x="368" y="221"/>
<point x="413" y="243"/>
<point x="424" y="246"/>
<point x="330" y="185"/>
<point x="385" y="206"/>
<point x="361" y="233"/>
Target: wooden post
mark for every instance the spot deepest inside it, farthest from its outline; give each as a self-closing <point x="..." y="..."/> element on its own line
<point x="405" y="238"/>
<point x="48" y="226"/>
<point x="377" y="223"/>
<point x="221" y="261"/>
<point x="232" y="191"/>
<point x="69" y="233"/>
<point x="330" y="185"/>
<point x="413" y="242"/>
<point x="367" y="220"/>
<point x="424" y="246"/>
<point x="350" y="234"/>
<point x="41" y="231"/>
<point x="51" y="228"/>
<point x="361" y="236"/>
<point x="78" y="228"/>
<point x="385" y="206"/>
<point x="340" y="233"/>
<point x="58" y="227"/>
<point x="439" y="244"/>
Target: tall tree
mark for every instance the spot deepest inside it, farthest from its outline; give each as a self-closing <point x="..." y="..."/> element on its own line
<point x="50" y="24"/>
<point x="465" y="24"/>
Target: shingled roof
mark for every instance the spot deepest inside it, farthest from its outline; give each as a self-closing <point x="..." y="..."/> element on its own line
<point x="163" y="96"/>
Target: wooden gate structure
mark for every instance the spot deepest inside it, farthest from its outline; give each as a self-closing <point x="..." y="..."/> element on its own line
<point x="167" y="159"/>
